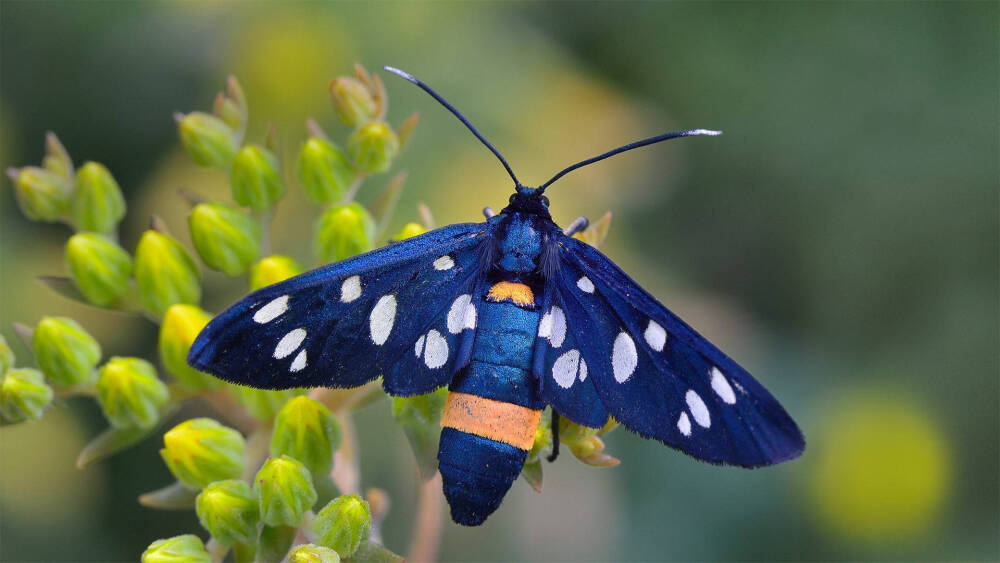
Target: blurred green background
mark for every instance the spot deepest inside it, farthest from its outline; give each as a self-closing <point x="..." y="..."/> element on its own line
<point x="840" y="241"/>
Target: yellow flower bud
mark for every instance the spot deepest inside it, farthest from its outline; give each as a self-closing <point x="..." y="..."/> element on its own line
<point x="100" y="269"/>
<point x="6" y="356"/>
<point x="344" y="231"/>
<point x="225" y="238"/>
<point x="255" y="180"/>
<point x="410" y="230"/>
<point x="200" y="451"/>
<point x="208" y="139"/>
<point x="178" y="549"/>
<point x="285" y="490"/>
<point x="98" y="203"/>
<point x="42" y="195"/>
<point x="164" y="273"/>
<point x="324" y="171"/>
<point x="180" y="327"/>
<point x="344" y="524"/>
<point x="307" y="431"/>
<point x="130" y="393"/>
<point x="65" y="352"/>
<point x="261" y="403"/>
<point x="373" y="147"/>
<point x="352" y="101"/>
<point x="311" y="553"/>
<point x="228" y="510"/>
<point x="273" y="269"/>
<point x="23" y="395"/>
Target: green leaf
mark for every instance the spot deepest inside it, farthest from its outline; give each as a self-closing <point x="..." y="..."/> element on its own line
<point x="171" y="497"/>
<point x="532" y="473"/>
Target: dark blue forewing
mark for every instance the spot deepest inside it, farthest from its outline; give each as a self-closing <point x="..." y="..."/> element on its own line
<point x="382" y="313"/>
<point x="657" y="376"/>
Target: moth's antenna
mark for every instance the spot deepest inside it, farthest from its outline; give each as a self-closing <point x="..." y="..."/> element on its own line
<point x="628" y="147"/>
<point x="460" y="117"/>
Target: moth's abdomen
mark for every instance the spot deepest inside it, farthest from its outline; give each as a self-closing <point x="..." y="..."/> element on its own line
<point x="493" y="409"/>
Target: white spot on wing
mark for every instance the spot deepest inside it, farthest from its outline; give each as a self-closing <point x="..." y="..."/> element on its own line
<point x="623" y="357"/>
<point x="436" y="351"/>
<point x="381" y="319"/>
<point x="272" y="310"/>
<point x="564" y="369"/>
<point x="289" y="343"/>
<point x="350" y="289"/>
<point x="545" y="326"/>
<point x="583" y="370"/>
<point x="721" y="387"/>
<point x="470" y="316"/>
<point x="457" y="313"/>
<point x="698" y="409"/>
<point x="299" y="363"/>
<point x="558" y="333"/>
<point x="655" y="336"/>
<point x="684" y="424"/>
<point x="419" y="347"/>
<point x="585" y="284"/>
<point x="444" y="263"/>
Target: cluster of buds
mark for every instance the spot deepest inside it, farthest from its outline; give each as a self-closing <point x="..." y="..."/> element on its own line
<point x="24" y="395"/>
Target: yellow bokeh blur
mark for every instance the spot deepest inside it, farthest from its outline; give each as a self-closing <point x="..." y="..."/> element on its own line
<point x="882" y="469"/>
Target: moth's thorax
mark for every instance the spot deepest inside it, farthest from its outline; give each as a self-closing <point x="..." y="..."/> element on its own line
<point x="520" y="240"/>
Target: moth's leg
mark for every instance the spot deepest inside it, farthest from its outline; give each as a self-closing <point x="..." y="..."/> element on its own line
<point x="555" y="436"/>
<point x="488" y="212"/>
<point x="578" y="224"/>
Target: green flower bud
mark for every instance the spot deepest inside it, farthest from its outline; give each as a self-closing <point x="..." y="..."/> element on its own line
<point x="225" y="238"/>
<point x="164" y="273"/>
<point x="65" y="352"/>
<point x="180" y="327"/>
<point x="178" y="549"/>
<point x="344" y="524"/>
<point x="410" y="230"/>
<point x="200" y="451"/>
<point x="255" y="181"/>
<point x="311" y="553"/>
<point x="6" y="356"/>
<point x="208" y="139"/>
<point x="273" y="269"/>
<point x="344" y="231"/>
<point x="352" y="101"/>
<point x="98" y="204"/>
<point x="307" y="431"/>
<point x="260" y="403"/>
<point x="324" y="171"/>
<point x="23" y="395"/>
<point x="373" y="146"/>
<point x="100" y="269"/>
<point x="285" y="490"/>
<point x="130" y="393"/>
<point x="43" y="195"/>
<point x="228" y="510"/>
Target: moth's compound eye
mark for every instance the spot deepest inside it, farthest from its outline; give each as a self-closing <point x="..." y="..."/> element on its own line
<point x="545" y="201"/>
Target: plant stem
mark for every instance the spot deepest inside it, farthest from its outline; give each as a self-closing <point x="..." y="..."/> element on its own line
<point x="346" y="462"/>
<point x="425" y="541"/>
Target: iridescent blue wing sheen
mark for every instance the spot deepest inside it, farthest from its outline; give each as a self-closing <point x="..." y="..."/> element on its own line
<point x="397" y="311"/>
<point x="657" y="376"/>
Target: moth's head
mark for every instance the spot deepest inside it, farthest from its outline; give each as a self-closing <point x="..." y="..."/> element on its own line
<point x="528" y="200"/>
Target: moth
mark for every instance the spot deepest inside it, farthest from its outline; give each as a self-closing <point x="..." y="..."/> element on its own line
<point x="512" y="314"/>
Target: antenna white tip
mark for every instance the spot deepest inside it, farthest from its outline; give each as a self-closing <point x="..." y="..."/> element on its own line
<point x="710" y="132"/>
<point x="400" y="73"/>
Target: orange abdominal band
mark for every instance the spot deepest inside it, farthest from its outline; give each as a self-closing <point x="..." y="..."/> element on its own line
<point x="504" y="422"/>
<point x="519" y="293"/>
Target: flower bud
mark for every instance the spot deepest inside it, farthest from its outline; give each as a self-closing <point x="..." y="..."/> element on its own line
<point x="352" y="101"/>
<point x="178" y="549"/>
<point x="344" y="231"/>
<point x="42" y="195"/>
<point x="100" y="269"/>
<point x="307" y="431"/>
<point x="372" y="147"/>
<point x="324" y="171"/>
<point x="255" y="180"/>
<point x="200" y="451"/>
<point x="312" y="553"/>
<point x="65" y="352"/>
<point x="164" y="273"/>
<point x="23" y="395"/>
<point x="344" y="524"/>
<point x="261" y="403"/>
<point x="208" y="139"/>
<point x="225" y="238"/>
<point x="228" y="510"/>
<point x="129" y="392"/>
<point x="410" y="230"/>
<point x="285" y="490"/>
<point x="6" y="356"/>
<point x="180" y="327"/>
<point x="98" y="204"/>
<point x="273" y="269"/>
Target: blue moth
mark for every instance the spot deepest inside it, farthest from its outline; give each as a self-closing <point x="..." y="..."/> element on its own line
<point x="512" y="314"/>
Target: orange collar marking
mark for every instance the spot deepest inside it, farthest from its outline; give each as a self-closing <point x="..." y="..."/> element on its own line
<point x="519" y="293"/>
